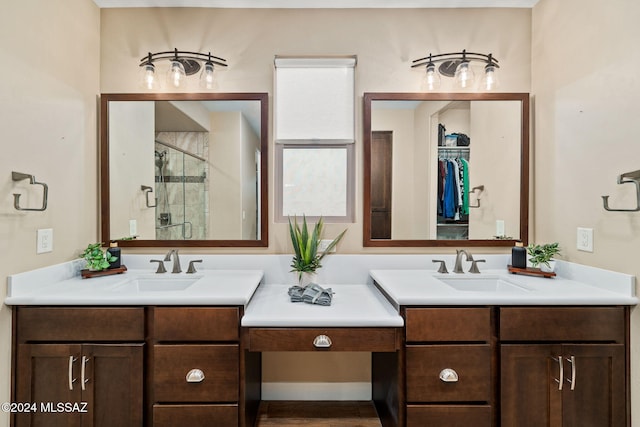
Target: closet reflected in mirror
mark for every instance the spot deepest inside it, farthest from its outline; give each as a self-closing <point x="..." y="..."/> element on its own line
<point x="445" y="169"/>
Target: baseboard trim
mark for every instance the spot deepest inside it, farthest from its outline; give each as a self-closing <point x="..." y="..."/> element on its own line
<point x="316" y="391"/>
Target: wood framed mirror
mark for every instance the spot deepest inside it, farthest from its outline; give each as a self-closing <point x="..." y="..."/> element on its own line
<point x="413" y="142"/>
<point x="184" y="169"/>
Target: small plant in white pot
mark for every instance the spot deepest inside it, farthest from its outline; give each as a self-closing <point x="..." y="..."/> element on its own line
<point x="542" y="255"/>
<point x="307" y="257"/>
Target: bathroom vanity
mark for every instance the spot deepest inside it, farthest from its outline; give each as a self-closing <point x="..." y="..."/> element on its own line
<point x="511" y="350"/>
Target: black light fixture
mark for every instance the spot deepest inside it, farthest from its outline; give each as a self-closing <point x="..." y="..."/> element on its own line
<point x="457" y="65"/>
<point x="183" y="64"/>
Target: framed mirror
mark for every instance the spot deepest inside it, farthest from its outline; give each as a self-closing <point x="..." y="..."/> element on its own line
<point x="445" y="169"/>
<point x="184" y="169"/>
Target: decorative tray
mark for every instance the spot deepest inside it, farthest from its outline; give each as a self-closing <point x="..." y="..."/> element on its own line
<point x="86" y="274"/>
<point x="530" y="271"/>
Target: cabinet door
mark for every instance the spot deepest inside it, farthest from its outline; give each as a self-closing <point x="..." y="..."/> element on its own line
<point x="529" y="393"/>
<point x="48" y="374"/>
<point x="113" y="389"/>
<point x="598" y="396"/>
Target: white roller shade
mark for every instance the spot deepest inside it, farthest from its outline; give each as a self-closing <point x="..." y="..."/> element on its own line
<point x="315" y="100"/>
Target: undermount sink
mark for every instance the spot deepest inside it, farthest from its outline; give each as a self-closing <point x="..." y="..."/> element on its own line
<point x="482" y="284"/>
<point x="160" y="284"/>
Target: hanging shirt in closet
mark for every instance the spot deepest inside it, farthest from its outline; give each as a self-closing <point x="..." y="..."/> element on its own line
<point x="450" y="196"/>
<point x="465" y="186"/>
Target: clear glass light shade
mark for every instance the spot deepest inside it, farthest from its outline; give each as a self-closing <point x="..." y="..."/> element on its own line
<point x="148" y="78"/>
<point x="176" y="75"/>
<point x="206" y="77"/>
<point x="431" y="79"/>
<point x="490" y="78"/>
<point x="464" y="75"/>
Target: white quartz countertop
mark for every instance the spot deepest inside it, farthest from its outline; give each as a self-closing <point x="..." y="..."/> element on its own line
<point x="135" y="287"/>
<point x="351" y="306"/>
<point x="584" y="286"/>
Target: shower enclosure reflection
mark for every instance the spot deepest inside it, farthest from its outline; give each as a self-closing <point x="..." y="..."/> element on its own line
<point x="181" y="189"/>
<point x="201" y="160"/>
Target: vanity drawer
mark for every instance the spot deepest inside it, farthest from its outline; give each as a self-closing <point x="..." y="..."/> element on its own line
<point x="196" y="324"/>
<point x="172" y="363"/>
<point x="195" y="415"/>
<point x="342" y="339"/>
<point x="448" y="324"/>
<point x="562" y="324"/>
<point x="425" y="363"/>
<point x="448" y="416"/>
<point x="71" y="324"/>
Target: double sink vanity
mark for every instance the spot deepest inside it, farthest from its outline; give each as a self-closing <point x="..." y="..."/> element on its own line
<point x="486" y="349"/>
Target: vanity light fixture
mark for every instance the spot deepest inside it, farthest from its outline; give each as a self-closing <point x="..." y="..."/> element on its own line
<point x="183" y="64"/>
<point x="458" y="65"/>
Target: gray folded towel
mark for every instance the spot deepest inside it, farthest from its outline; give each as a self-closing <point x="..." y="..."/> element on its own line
<point x="311" y="294"/>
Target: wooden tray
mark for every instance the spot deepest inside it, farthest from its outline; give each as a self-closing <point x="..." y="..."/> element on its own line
<point x="86" y="274"/>
<point x="530" y="271"/>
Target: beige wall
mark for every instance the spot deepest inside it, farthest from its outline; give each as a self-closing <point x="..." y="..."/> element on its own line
<point x="584" y="107"/>
<point x="386" y="41"/>
<point x="50" y="78"/>
<point x="586" y="126"/>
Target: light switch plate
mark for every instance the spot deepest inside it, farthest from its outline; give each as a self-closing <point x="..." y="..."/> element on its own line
<point x="585" y="239"/>
<point x="44" y="240"/>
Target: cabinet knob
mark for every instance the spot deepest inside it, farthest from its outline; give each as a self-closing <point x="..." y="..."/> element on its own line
<point x="448" y="375"/>
<point x="195" y="376"/>
<point x="322" y="341"/>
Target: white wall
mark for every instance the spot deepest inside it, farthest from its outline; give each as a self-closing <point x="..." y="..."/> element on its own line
<point x="586" y="92"/>
<point x="50" y="54"/>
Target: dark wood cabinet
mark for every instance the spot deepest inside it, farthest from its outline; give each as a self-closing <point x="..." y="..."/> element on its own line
<point x="563" y="385"/>
<point x="72" y="382"/>
<point x="579" y="382"/>
<point x="449" y="367"/>
<point x="198" y="373"/>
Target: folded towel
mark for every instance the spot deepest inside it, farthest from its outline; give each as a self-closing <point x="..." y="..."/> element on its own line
<point x="311" y="294"/>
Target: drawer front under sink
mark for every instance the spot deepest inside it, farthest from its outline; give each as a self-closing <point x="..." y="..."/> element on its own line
<point x="471" y="363"/>
<point x="195" y="415"/>
<point x="218" y="363"/>
<point x="196" y="324"/>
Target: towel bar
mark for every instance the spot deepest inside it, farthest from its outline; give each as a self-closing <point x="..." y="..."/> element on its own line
<point x="626" y="178"/>
<point x="148" y="190"/>
<point x="19" y="176"/>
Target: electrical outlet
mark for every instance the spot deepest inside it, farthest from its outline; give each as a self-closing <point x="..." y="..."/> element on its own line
<point x="324" y="244"/>
<point x="44" y="240"/>
<point x="585" y="239"/>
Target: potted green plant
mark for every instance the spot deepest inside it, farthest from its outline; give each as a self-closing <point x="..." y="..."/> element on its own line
<point x="307" y="257"/>
<point x="97" y="259"/>
<point x="542" y="255"/>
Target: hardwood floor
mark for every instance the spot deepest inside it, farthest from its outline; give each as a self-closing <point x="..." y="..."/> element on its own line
<point x="317" y="414"/>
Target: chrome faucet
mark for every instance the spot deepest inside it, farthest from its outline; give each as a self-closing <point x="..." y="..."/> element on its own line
<point x="176" y="260"/>
<point x="457" y="268"/>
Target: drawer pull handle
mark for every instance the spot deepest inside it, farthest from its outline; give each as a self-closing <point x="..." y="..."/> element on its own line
<point x="572" y="381"/>
<point x="195" y="376"/>
<point x="322" y="341"/>
<point x="560" y="379"/>
<point x="84" y="380"/>
<point x="72" y="380"/>
<point x="449" y="375"/>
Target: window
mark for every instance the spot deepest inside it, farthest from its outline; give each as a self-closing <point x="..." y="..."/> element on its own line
<point x="314" y="133"/>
